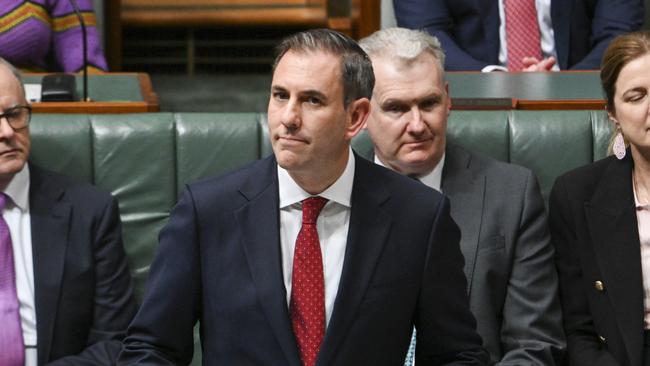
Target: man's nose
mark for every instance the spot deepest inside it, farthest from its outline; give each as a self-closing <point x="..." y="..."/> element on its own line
<point x="291" y="118"/>
<point x="416" y="122"/>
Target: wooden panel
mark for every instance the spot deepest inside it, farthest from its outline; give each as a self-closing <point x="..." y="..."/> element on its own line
<point x="146" y="17"/>
<point x="366" y="17"/>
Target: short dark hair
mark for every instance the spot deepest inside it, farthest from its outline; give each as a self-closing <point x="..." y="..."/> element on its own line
<point x="356" y="68"/>
<point x="621" y="51"/>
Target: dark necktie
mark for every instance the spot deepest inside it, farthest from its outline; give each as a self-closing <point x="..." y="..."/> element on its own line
<point x="522" y="32"/>
<point x="12" y="349"/>
<point x="307" y="304"/>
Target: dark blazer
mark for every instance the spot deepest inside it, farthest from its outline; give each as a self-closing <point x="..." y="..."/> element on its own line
<point x="512" y="281"/>
<point x="469" y="29"/>
<point x="594" y="230"/>
<point x="83" y="292"/>
<point x="219" y="262"/>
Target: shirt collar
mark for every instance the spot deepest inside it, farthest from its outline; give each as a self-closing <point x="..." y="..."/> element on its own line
<point x="18" y="188"/>
<point x="339" y="192"/>
<point x="432" y="179"/>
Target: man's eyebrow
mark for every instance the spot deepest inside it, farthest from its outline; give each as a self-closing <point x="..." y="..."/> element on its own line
<point x="277" y="88"/>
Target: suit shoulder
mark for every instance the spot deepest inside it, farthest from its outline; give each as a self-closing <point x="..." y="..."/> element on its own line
<point x="231" y="181"/>
<point x="49" y="182"/>
<point x="586" y="177"/>
<point x="503" y="173"/>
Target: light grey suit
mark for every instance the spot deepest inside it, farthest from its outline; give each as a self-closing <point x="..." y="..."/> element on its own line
<point x="512" y="281"/>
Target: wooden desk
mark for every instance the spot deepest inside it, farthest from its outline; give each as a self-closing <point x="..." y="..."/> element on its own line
<point x="110" y="93"/>
<point x="529" y="91"/>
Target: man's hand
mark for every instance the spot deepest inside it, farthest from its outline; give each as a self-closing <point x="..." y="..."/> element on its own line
<point x="532" y="64"/>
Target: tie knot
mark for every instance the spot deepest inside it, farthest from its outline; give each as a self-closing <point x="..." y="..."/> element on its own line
<point x="311" y="208"/>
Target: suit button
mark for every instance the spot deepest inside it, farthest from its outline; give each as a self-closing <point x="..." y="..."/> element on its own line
<point x="602" y="339"/>
<point x="599" y="286"/>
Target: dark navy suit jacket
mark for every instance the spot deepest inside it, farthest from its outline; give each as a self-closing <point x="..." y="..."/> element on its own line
<point x="83" y="291"/>
<point x="219" y="262"/>
<point x="469" y="29"/>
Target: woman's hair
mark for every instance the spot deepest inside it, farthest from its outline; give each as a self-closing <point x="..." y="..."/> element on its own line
<point x="621" y="51"/>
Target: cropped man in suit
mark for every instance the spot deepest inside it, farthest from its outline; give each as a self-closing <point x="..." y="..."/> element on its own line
<point x="498" y="206"/>
<point x="571" y="33"/>
<point x="343" y="287"/>
<point x="66" y="296"/>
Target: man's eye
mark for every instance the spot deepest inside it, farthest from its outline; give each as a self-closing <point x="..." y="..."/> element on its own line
<point x="394" y="109"/>
<point x="428" y="104"/>
<point x="279" y="95"/>
<point x="313" y="100"/>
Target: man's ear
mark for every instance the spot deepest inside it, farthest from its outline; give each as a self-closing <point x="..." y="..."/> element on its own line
<point x="358" y="112"/>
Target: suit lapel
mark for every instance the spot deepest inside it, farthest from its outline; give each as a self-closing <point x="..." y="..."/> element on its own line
<point x="612" y="224"/>
<point x="466" y="190"/>
<point x="368" y="230"/>
<point x="258" y="225"/>
<point x="50" y="219"/>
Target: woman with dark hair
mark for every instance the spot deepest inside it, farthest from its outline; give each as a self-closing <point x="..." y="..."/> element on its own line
<point x="600" y="224"/>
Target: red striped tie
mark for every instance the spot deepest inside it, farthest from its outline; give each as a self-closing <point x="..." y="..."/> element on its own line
<point x="307" y="304"/>
<point x="522" y="32"/>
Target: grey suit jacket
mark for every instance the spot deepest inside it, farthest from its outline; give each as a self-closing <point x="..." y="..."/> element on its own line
<point x="512" y="281"/>
<point x="511" y="276"/>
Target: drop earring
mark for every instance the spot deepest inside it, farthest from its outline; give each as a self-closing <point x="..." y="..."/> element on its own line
<point x="619" y="144"/>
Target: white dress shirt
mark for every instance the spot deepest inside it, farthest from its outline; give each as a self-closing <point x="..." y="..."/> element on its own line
<point x="432" y="179"/>
<point x="546" y="35"/>
<point x="16" y="214"/>
<point x="643" y="222"/>
<point x="332" y="226"/>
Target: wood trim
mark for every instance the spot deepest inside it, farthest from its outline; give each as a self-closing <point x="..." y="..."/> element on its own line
<point x="150" y="97"/>
<point x="542" y="105"/>
<point x="91" y="107"/>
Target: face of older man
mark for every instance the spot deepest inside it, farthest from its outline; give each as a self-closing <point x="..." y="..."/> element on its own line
<point x="408" y="118"/>
<point x="14" y="144"/>
<point x="309" y="126"/>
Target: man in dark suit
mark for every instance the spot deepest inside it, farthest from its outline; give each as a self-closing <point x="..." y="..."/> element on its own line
<point x="498" y="206"/>
<point x="384" y="250"/>
<point x="65" y="291"/>
<point x="469" y="30"/>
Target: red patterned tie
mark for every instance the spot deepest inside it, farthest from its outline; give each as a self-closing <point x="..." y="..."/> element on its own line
<point x="307" y="305"/>
<point x="12" y="349"/>
<point x="522" y="32"/>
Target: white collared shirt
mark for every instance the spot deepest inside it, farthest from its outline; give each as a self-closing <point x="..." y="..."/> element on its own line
<point x="332" y="226"/>
<point x="432" y="179"/>
<point x="17" y="215"/>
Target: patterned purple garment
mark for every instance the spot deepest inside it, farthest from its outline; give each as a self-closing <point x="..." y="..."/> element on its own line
<point x="45" y="35"/>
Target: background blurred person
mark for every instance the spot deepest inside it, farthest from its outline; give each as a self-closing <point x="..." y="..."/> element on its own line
<point x="45" y="36"/>
<point x="541" y="34"/>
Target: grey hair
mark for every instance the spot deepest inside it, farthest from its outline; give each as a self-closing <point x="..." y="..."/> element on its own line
<point x="15" y="72"/>
<point x="356" y="68"/>
<point x="404" y="45"/>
